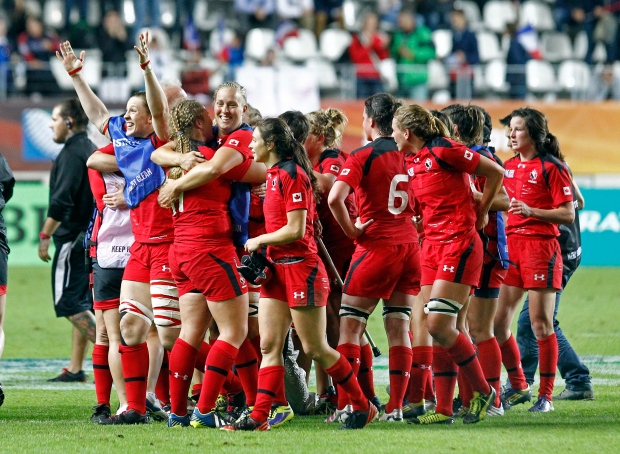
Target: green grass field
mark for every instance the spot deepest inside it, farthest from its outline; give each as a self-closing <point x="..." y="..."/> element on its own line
<point x="38" y="417"/>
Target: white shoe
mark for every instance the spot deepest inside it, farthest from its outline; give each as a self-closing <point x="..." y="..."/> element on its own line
<point x="394" y="416"/>
<point x="495" y="411"/>
<point x="340" y="415"/>
<point x="153" y="407"/>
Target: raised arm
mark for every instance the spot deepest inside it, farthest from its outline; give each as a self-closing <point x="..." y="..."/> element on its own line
<point x="93" y="106"/>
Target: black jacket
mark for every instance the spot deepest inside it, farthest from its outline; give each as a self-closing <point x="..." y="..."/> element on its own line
<point x="7" y="182"/>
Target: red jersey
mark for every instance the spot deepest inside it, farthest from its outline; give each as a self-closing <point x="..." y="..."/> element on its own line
<point x="439" y="175"/>
<point x="201" y="214"/>
<point x="376" y="172"/>
<point x="330" y="162"/>
<point x="539" y="183"/>
<point x="288" y="189"/>
<point x="150" y="223"/>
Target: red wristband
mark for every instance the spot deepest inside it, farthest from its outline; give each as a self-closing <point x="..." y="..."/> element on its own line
<point x="73" y="72"/>
<point x="144" y="65"/>
<point x="44" y="236"/>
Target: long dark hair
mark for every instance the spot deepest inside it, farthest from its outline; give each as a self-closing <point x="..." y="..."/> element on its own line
<point x="536" y="125"/>
<point x="277" y="132"/>
<point x="381" y="108"/>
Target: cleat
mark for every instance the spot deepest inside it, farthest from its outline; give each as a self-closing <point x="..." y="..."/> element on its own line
<point x="340" y="415"/>
<point x="512" y="397"/>
<point x="70" y="377"/>
<point x="245" y="413"/>
<point x="213" y="419"/>
<point x="153" y="407"/>
<point x="101" y="411"/>
<point x="435" y="418"/>
<point x="376" y="402"/>
<point x="122" y="409"/>
<point x="359" y="419"/>
<point x="569" y="394"/>
<point x="280" y="414"/>
<point x="127" y="417"/>
<point x="414" y="410"/>
<point x="495" y="411"/>
<point x="394" y="416"/>
<point x="1" y="395"/>
<point x="221" y="403"/>
<point x="457" y="403"/>
<point x="460" y="412"/>
<point x="235" y="405"/>
<point x="478" y="406"/>
<point x="178" y="421"/>
<point x="542" y="405"/>
<point x="248" y="423"/>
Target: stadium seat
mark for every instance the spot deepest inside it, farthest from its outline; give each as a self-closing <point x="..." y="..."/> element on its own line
<point x="218" y="39"/>
<point x="333" y="43"/>
<point x="128" y="13"/>
<point x="202" y="19"/>
<point x="258" y="41"/>
<point x="495" y="76"/>
<point x="33" y="7"/>
<point x="580" y="47"/>
<point x="574" y="77"/>
<point x="536" y="14"/>
<point x="442" y="39"/>
<point x="488" y="46"/>
<point x="472" y="13"/>
<point x="168" y="13"/>
<point x="301" y="47"/>
<point x="325" y="71"/>
<point x="387" y="68"/>
<point x="437" y="76"/>
<point x="540" y="77"/>
<point x="556" y="47"/>
<point x="91" y="71"/>
<point x="497" y="13"/>
<point x="600" y="53"/>
<point x="54" y="14"/>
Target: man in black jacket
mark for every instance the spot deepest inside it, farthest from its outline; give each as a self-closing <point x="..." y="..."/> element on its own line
<point x="68" y="215"/>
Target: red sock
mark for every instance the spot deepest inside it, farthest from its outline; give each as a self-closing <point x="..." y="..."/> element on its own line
<point x="281" y="395"/>
<point x="269" y="380"/>
<point x="181" y="367"/>
<point x="256" y="344"/>
<point x="232" y="384"/>
<point x="421" y="362"/>
<point x="246" y="365"/>
<point x="135" y="361"/>
<point x="429" y="388"/>
<point x="162" y="387"/>
<point x="201" y="357"/>
<point x="101" y="371"/>
<point x="219" y="362"/>
<point x="365" y="376"/>
<point x="548" y="361"/>
<point x="463" y="354"/>
<point x="351" y="353"/>
<point x="343" y="375"/>
<point x="196" y="388"/>
<point x="465" y="390"/>
<point x="444" y="373"/>
<point x="491" y="362"/>
<point x="400" y="366"/>
<point x="512" y="362"/>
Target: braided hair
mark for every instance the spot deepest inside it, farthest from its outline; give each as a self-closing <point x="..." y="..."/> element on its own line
<point x="181" y="124"/>
<point x="330" y="123"/>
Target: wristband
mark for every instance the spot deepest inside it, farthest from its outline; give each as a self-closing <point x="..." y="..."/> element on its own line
<point x="44" y="236"/>
<point x="73" y="72"/>
<point x="144" y="65"/>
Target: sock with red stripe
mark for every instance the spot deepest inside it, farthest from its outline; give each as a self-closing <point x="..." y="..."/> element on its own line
<point x="464" y="355"/>
<point x="162" y="387"/>
<point x="465" y="390"/>
<point x="400" y="367"/>
<point x="103" y="376"/>
<point x="421" y="362"/>
<point x="181" y="367"/>
<point x="512" y="362"/>
<point x="135" y="361"/>
<point x="219" y="362"/>
<point x="269" y="380"/>
<point x="201" y="356"/>
<point x="246" y="365"/>
<point x="491" y="362"/>
<point x="444" y="373"/>
<point x="548" y="361"/>
<point x="351" y="353"/>
<point x="343" y="375"/>
<point x="365" y="376"/>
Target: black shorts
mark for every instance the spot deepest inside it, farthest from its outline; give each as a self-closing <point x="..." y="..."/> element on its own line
<point x="4" y="259"/>
<point x="70" y="289"/>
<point x="107" y="288"/>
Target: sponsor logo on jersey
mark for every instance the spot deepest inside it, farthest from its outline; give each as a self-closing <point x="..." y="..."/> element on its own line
<point x="509" y="173"/>
<point x="448" y="268"/>
<point x="234" y="142"/>
<point x="345" y="172"/>
<point x="521" y="166"/>
<point x="410" y="171"/>
<point x="334" y="168"/>
<point x="468" y="155"/>
<point x="219" y="141"/>
<point x="428" y="163"/>
<point x="297" y="197"/>
<point x="533" y="176"/>
<point x="566" y="190"/>
<point x="273" y="183"/>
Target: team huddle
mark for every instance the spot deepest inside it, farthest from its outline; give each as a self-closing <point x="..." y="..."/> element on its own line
<point x="261" y="232"/>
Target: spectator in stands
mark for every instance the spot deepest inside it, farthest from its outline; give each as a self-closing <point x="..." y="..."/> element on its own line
<point x="256" y="14"/>
<point x="436" y="13"/>
<point x="113" y="41"/>
<point x="6" y="75"/>
<point x="412" y="47"/>
<point x="16" y="20"/>
<point x="140" y="8"/>
<point x="184" y="10"/>
<point x="605" y="84"/>
<point x="326" y="11"/>
<point x="574" y="16"/>
<point x="233" y="54"/>
<point x="109" y="5"/>
<point x="367" y="49"/>
<point x="299" y="11"/>
<point x="37" y="46"/>
<point x="464" y="55"/>
<point x="516" y="59"/>
<point x="82" y="8"/>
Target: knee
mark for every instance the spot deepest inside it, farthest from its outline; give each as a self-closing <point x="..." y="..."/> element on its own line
<point x="270" y="346"/>
<point x="542" y="328"/>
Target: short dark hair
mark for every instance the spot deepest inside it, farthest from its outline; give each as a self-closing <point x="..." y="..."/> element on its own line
<point x="298" y="123"/>
<point x="381" y="108"/>
<point x="73" y="108"/>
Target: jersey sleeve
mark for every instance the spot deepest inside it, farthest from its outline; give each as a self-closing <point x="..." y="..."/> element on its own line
<point x="239" y="171"/>
<point x="240" y="141"/>
<point x="295" y="191"/>
<point x="108" y="149"/>
<point x="351" y="172"/>
<point x="560" y="185"/>
<point x="331" y="166"/>
<point x="460" y="157"/>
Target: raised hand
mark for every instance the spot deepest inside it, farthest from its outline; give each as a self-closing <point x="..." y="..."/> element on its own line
<point x="68" y="57"/>
<point x="143" y="49"/>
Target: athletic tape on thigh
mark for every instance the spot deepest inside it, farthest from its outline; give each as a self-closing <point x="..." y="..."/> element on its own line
<point x="443" y="306"/>
<point x="401" y="312"/>
<point x="355" y="313"/>
<point x="136" y="308"/>
<point x="165" y="300"/>
<point x="253" y="310"/>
